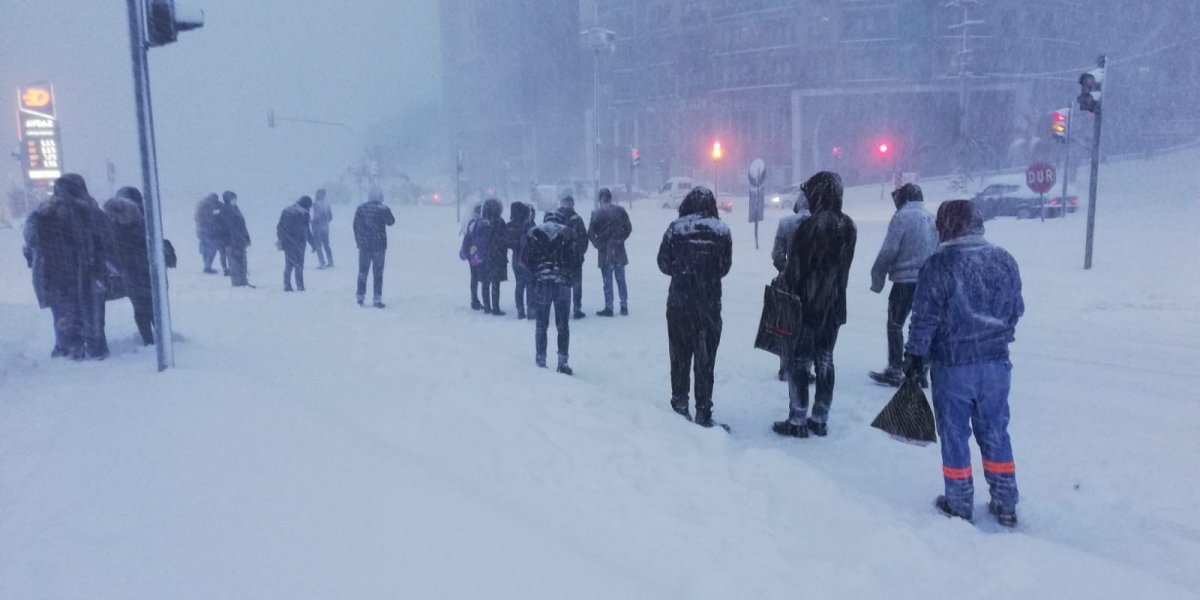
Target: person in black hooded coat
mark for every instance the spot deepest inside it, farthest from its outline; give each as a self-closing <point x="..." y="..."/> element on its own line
<point x="696" y="252"/>
<point x="519" y="225"/>
<point x="129" y="233"/>
<point x="566" y="208"/>
<point x="495" y="263"/>
<point x="238" y="240"/>
<point x="818" y="270"/>
<point x="294" y="236"/>
<point x="551" y="256"/>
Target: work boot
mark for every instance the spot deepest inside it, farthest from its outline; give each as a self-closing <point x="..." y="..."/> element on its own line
<point x="498" y="313"/>
<point x="608" y="312"/>
<point x="475" y="305"/>
<point x="624" y="311"/>
<point x="361" y="300"/>
<point x="704" y="418"/>
<point x="379" y="303"/>
<point x="817" y="428"/>
<point x="891" y="376"/>
<point x="579" y="314"/>
<point x="565" y="370"/>
<point x="540" y="361"/>
<point x="787" y="429"/>
<point x="1005" y="519"/>
<point x="943" y="506"/>
<point x="680" y="406"/>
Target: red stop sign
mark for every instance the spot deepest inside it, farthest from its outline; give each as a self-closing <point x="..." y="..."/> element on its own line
<point x="1041" y="177"/>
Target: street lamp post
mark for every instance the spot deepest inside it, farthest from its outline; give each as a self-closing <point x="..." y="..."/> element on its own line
<point x="598" y="39"/>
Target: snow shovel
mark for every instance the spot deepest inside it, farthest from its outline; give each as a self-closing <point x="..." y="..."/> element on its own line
<point x="908" y="417"/>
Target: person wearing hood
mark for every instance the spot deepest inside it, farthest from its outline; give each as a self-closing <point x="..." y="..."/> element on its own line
<point x="494" y="269"/>
<point x="968" y="301"/>
<point x="551" y="256"/>
<point x="470" y="243"/>
<point x="371" y="221"/>
<point x="294" y="235"/>
<point x="817" y="271"/>
<point x="129" y="235"/>
<point x="519" y="225"/>
<point x="566" y="208"/>
<point x="609" y="229"/>
<point x="779" y="252"/>
<point x="71" y="253"/>
<point x="211" y="233"/>
<point x="238" y="239"/>
<point x="696" y="253"/>
<point x="322" y="215"/>
<point x="911" y="238"/>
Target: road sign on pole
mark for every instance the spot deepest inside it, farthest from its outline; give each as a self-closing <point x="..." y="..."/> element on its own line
<point x="757" y="175"/>
<point x="1041" y="177"/>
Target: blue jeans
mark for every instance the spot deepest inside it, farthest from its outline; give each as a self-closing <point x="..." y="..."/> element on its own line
<point x="545" y="296"/>
<point x="967" y="397"/>
<point x="608" y="273"/>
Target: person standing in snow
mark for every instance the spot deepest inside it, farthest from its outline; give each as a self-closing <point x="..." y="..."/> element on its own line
<point x="470" y="240"/>
<point x="519" y="225"/>
<point x="911" y="238"/>
<point x="566" y="208"/>
<point x="784" y="234"/>
<point x="129" y="236"/>
<point x="239" y="240"/>
<point x="210" y="233"/>
<point x="609" y="229"/>
<point x="494" y="270"/>
<point x="371" y="221"/>
<point x="322" y="215"/>
<point x="294" y="236"/>
<point x="818" y="271"/>
<point x="696" y="253"/>
<point x="968" y="301"/>
<point x="551" y="253"/>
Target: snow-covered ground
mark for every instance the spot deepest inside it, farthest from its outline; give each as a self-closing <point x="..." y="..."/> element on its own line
<point x="307" y="448"/>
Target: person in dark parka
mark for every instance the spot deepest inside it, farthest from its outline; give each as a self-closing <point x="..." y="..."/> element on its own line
<point x="322" y="215"/>
<point x="566" y="208"/>
<point x="818" y="270"/>
<point x="519" y="225"/>
<point x="294" y="236"/>
<point x="779" y="253"/>
<point x="371" y="221"/>
<point x="211" y="233"/>
<point x="238" y="240"/>
<point x="551" y="254"/>
<point x="470" y="235"/>
<point x="129" y="233"/>
<point x="609" y="229"/>
<point x="494" y="270"/>
<point x="696" y="252"/>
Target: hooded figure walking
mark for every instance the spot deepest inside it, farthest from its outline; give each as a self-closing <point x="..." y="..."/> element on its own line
<point x="566" y="208"/>
<point x="371" y="221"/>
<point x="239" y="240"/>
<point x="965" y="314"/>
<point x="322" y="215"/>
<point x="818" y="271"/>
<point x="129" y="235"/>
<point x="551" y="255"/>
<point x="696" y="253"/>
<point x="211" y="233"/>
<point x="294" y="236"/>
<point x="911" y="238"/>
<point x="609" y="229"/>
<point x="519" y="225"/>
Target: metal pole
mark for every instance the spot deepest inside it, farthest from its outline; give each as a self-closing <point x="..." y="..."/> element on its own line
<point x="1092" y="186"/>
<point x="1067" y="160"/>
<point x="596" y="121"/>
<point x="154" y="230"/>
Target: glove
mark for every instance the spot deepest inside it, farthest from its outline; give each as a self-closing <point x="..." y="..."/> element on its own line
<point x="914" y="366"/>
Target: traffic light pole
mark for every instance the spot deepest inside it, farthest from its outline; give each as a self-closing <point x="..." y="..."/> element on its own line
<point x="1067" y="161"/>
<point x="1093" y="184"/>
<point x="163" y="335"/>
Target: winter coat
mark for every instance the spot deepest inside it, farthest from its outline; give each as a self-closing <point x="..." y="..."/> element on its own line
<point x="818" y="265"/>
<point x="550" y="252"/>
<point x="292" y="231"/>
<point x="494" y="230"/>
<point x="609" y="229"/>
<point x="129" y="235"/>
<point x="911" y="238"/>
<point x="208" y="219"/>
<point x="519" y="226"/>
<point x="696" y="252"/>
<point x="371" y="221"/>
<point x="73" y="250"/>
<point x="575" y="222"/>
<point x="967" y="304"/>
<point x="235" y="224"/>
<point x="322" y="214"/>
<point x="784" y="234"/>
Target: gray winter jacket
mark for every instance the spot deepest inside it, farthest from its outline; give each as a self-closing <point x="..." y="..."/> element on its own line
<point x="911" y="239"/>
<point x="785" y="233"/>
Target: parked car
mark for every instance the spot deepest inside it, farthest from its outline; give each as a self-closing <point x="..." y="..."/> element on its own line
<point x="1006" y="200"/>
<point x="545" y="197"/>
<point x="672" y="193"/>
<point x="785" y="198"/>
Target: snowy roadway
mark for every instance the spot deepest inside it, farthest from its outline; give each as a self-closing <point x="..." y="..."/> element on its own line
<point x="308" y="448"/>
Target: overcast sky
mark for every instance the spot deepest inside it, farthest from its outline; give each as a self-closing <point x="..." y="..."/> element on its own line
<point x="355" y="62"/>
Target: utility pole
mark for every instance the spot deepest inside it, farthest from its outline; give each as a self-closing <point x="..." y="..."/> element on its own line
<point x="1067" y="163"/>
<point x="1090" y="100"/>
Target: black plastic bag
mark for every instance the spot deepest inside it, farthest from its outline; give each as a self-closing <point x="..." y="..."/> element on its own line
<point x="169" y="256"/>
<point x="780" y="322"/>
<point x="908" y="416"/>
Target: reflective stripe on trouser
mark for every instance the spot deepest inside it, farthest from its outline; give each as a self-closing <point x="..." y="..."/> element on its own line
<point x="967" y="397"/>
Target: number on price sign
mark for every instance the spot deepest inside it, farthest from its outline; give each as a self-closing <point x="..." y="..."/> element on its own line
<point x="1041" y="177"/>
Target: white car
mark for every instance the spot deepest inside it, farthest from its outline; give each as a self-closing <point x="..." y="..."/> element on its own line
<point x="672" y="193"/>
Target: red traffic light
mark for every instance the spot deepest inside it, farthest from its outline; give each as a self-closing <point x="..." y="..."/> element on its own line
<point x="884" y="148"/>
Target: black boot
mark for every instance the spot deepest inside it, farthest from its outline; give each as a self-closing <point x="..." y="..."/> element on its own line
<point x="891" y="376"/>
<point x="787" y="429"/>
<point x="1005" y="519"/>
<point x="680" y="406"/>
<point x="943" y="506"/>
<point x="704" y="418"/>
<point x="608" y="312"/>
<point x="817" y="428"/>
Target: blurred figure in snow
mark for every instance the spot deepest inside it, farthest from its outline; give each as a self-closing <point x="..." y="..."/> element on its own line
<point x="371" y="221"/>
<point x="470" y="251"/>
<point x="129" y="233"/>
<point x="965" y="314"/>
<point x="551" y="255"/>
<point x="696" y="252"/>
<point x="609" y="229"/>
<point x="211" y="233"/>
<point x="238" y="239"/>
<point x="519" y="225"/>
<point x="492" y="232"/>
<point x="322" y="215"/>
<point x="566" y="208"/>
<point x="294" y="236"/>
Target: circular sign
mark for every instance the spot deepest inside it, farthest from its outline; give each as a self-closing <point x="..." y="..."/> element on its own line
<point x="1041" y="177"/>
<point x="758" y="172"/>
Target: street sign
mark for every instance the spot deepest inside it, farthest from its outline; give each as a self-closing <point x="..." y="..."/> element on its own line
<point x="1041" y="177"/>
<point x="40" y="149"/>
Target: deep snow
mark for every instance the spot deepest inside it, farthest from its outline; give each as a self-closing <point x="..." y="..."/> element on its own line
<point x="308" y="448"/>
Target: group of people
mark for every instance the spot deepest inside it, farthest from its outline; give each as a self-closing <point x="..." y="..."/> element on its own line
<point x="221" y="229"/>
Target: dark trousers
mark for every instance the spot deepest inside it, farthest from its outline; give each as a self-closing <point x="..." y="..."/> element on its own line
<point x="143" y="315"/>
<point x="238" y="268"/>
<point x="577" y="289"/>
<point x="210" y="247"/>
<point x="491" y="295"/>
<point x="523" y="289"/>
<point x="608" y="273"/>
<point x="475" y="281"/>
<point x="321" y="244"/>
<point x="293" y="264"/>
<point x="68" y="329"/>
<point x="369" y="260"/>
<point x="900" y="303"/>
<point x="558" y="296"/>
<point x="813" y="346"/>
<point x="693" y="338"/>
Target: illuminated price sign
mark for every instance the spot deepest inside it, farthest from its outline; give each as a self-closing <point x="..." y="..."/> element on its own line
<point x="42" y="155"/>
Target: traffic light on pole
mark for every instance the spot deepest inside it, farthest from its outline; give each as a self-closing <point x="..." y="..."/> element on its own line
<point x="717" y="151"/>
<point x="635" y="157"/>
<point x="1090" y="84"/>
<point x="1059" y="121"/>
<point x="164" y="21"/>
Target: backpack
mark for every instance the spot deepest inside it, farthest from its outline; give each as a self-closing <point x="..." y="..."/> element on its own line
<point x="474" y="245"/>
